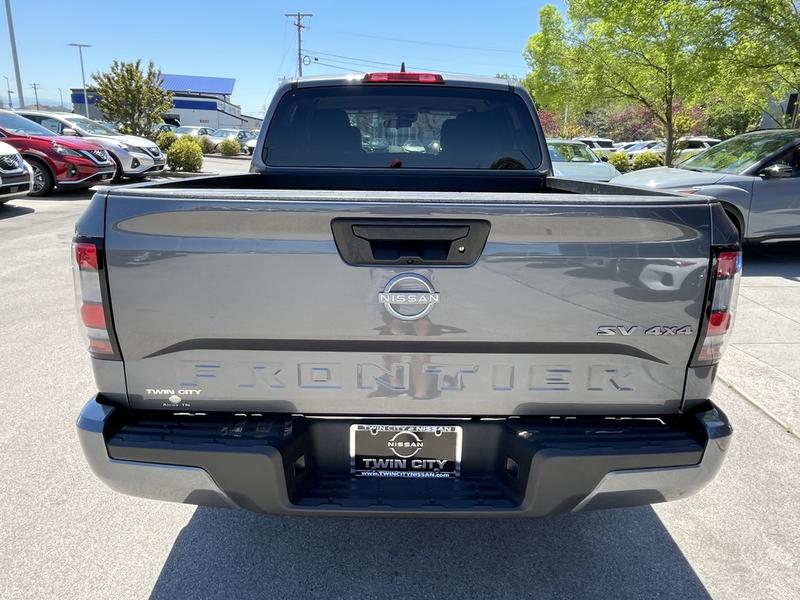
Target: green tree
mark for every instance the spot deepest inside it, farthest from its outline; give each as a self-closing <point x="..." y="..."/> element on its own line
<point x="765" y="49"/>
<point x="547" y="53"/>
<point x="132" y="97"/>
<point x="657" y="54"/>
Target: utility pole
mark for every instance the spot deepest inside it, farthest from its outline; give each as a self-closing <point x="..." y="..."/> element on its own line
<point x="61" y="95"/>
<point x="8" y="88"/>
<point x="14" y="52"/>
<point x="36" y="87"/>
<point x="80" y="48"/>
<point x="298" y="22"/>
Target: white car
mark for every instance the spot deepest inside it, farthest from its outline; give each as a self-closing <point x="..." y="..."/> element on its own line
<point x="598" y="145"/>
<point x="690" y="145"/>
<point x="638" y="148"/>
<point x="133" y="156"/>
<point x="574" y="160"/>
<point x="16" y="177"/>
<point x="212" y="134"/>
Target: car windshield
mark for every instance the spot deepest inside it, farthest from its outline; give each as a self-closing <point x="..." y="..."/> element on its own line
<point x="346" y="127"/>
<point x="740" y="153"/>
<point x="186" y="130"/>
<point x="93" y="127"/>
<point x="570" y="152"/>
<point x="227" y="132"/>
<point x="22" y="126"/>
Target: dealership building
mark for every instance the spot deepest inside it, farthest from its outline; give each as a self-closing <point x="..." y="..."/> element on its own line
<point x="195" y="101"/>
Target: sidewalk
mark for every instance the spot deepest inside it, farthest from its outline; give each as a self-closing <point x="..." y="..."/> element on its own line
<point x="762" y="362"/>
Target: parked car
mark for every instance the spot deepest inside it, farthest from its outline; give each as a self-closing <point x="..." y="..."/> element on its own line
<point x="379" y="144"/>
<point x="208" y="132"/>
<point x="624" y="146"/>
<point x="756" y="177"/>
<point x="339" y="336"/>
<point x="574" y="160"/>
<point x="250" y="145"/>
<point x="162" y="127"/>
<point x="657" y="146"/>
<point x="16" y="176"/>
<point x="240" y="135"/>
<point x="690" y="145"/>
<point x="133" y="156"/>
<point x="598" y="144"/>
<point x="413" y="146"/>
<point x="63" y="162"/>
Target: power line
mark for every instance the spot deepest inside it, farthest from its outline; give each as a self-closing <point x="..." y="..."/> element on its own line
<point x="367" y="62"/>
<point x="440" y="45"/>
<point x="493" y="66"/>
<point x="298" y="22"/>
<point x="350" y="69"/>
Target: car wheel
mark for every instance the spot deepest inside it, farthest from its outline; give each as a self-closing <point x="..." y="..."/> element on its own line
<point x="118" y="173"/>
<point x="43" y="181"/>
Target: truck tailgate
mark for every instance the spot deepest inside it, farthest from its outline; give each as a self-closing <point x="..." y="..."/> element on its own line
<point x="241" y="301"/>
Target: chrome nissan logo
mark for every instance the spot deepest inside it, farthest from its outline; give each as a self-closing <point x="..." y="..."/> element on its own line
<point x="408" y="297"/>
<point x="405" y="444"/>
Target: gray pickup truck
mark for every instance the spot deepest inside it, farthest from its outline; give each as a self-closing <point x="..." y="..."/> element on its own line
<point x="399" y="311"/>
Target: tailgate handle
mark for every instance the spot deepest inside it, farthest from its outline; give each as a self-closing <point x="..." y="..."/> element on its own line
<point x="451" y="242"/>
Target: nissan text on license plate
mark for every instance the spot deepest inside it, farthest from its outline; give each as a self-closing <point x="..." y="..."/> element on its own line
<point x="405" y="450"/>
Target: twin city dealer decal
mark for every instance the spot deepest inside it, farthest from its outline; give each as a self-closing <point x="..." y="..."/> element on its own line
<point x="408" y="297"/>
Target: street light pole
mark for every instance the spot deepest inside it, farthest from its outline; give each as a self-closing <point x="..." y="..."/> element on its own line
<point x="80" y="48"/>
<point x="14" y="52"/>
<point x="61" y="95"/>
<point x="8" y="88"/>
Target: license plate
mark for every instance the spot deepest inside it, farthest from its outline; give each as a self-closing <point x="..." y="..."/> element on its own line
<point x="405" y="450"/>
<point x="14" y="189"/>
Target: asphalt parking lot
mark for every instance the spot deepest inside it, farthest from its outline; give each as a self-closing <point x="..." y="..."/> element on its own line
<point x="66" y="536"/>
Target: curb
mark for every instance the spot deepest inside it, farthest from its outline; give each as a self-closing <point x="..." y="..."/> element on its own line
<point x="181" y="174"/>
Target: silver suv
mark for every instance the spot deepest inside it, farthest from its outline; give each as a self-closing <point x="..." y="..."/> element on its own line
<point x="134" y="156"/>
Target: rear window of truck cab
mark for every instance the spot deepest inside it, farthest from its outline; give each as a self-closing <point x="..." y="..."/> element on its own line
<point x="409" y="126"/>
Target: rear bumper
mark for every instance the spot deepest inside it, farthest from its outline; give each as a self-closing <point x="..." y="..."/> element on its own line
<point x="532" y="466"/>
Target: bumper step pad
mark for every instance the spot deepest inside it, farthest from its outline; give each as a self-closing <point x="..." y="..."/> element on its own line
<point x="527" y="466"/>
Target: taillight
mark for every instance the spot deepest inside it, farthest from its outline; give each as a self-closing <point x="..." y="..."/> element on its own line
<point x="90" y="297"/>
<point x="403" y="77"/>
<point x="727" y="269"/>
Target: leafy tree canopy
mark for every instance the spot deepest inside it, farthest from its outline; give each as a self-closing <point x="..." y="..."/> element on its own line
<point x="664" y="67"/>
<point x="132" y="96"/>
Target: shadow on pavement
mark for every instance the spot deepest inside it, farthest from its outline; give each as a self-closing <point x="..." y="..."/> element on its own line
<point x="9" y="210"/>
<point x="610" y="554"/>
<point x="778" y="259"/>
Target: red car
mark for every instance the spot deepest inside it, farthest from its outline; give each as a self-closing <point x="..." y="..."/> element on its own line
<point x="56" y="161"/>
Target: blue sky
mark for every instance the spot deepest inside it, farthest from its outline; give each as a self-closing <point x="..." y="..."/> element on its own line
<point x="251" y="40"/>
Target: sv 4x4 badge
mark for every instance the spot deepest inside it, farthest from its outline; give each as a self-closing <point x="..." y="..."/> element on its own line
<point x="626" y="330"/>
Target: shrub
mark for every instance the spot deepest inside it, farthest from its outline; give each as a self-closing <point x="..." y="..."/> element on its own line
<point x="185" y="154"/>
<point x="165" y="139"/>
<point x="206" y="145"/>
<point x="230" y="147"/>
<point x="646" y="160"/>
<point x="619" y="160"/>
